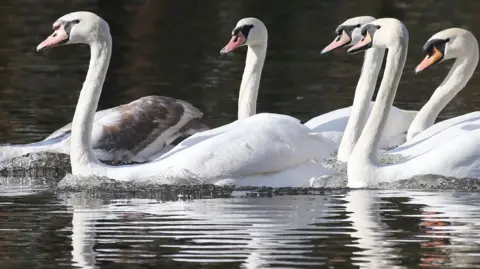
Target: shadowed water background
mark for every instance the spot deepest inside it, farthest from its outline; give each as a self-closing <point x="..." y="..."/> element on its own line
<point x="172" y="48"/>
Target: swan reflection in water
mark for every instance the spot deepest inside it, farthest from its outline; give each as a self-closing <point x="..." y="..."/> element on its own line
<point x="364" y="228"/>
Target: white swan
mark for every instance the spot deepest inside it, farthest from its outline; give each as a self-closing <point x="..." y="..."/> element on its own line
<point x="463" y="47"/>
<point x="262" y="144"/>
<point x="465" y="52"/>
<point x="458" y="158"/>
<point x="348" y="33"/>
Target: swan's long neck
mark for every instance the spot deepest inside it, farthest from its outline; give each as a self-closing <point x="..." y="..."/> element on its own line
<point x="247" y="100"/>
<point x="366" y="150"/>
<point x="461" y="71"/>
<point x="81" y="147"/>
<point x="361" y="102"/>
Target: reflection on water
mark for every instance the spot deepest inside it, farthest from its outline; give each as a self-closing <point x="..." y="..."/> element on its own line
<point x="361" y="228"/>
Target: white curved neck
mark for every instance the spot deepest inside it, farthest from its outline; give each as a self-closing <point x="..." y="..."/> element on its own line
<point x="361" y="102"/>
<point x="247" y="100"/>
<point x="458" y="76"/>
<point x="81" y="147"/>
<point x="364" y="155"/>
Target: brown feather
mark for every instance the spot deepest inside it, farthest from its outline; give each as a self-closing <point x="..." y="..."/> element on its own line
<point x="128" y="129"/>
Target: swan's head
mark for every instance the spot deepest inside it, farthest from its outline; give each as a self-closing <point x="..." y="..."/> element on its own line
<point x="382" y="33"/>
<point x="247" y="32"/>
<point x="348" y="33"/>
<point x="76" y="27"/>
<point x="447" y="44"/>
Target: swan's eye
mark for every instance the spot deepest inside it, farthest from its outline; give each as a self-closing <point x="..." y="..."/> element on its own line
<point x="235" y="31"/>
<point x="358" y="25"/>
<point x="378" y="26"/>
<point x="76" y="21"/>
<point x="339" y="29"/>
<point x="447" y="40"/>
<point x="364" y="31"/>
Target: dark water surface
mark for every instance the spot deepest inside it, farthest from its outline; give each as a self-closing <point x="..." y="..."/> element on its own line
<point x="334" y="229"/>
<point x="172" y="48"/>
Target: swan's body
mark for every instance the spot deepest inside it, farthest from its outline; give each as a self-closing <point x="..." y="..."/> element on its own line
<point x="234" y="155"/>
<point x="352" y="119"/>
<point x="262" y="144"/>
<point x="138" y="131"/>
<point x="457" y="157"/>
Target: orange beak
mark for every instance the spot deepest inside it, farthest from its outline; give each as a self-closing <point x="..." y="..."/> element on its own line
<point x="429" y="60"/>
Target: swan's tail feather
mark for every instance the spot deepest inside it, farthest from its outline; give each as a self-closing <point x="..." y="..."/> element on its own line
<point x="326" y="146"/>
<point x="411" y="131"/>
<point x="411" y="113"/>
<point x="50" y="141"/>
<point x="192" y="127"/>
<point x="53" y="145"/>
<point x="318" y="136"/>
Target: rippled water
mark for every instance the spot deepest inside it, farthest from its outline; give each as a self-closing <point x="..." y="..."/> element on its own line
<point x="328" y="229"/>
